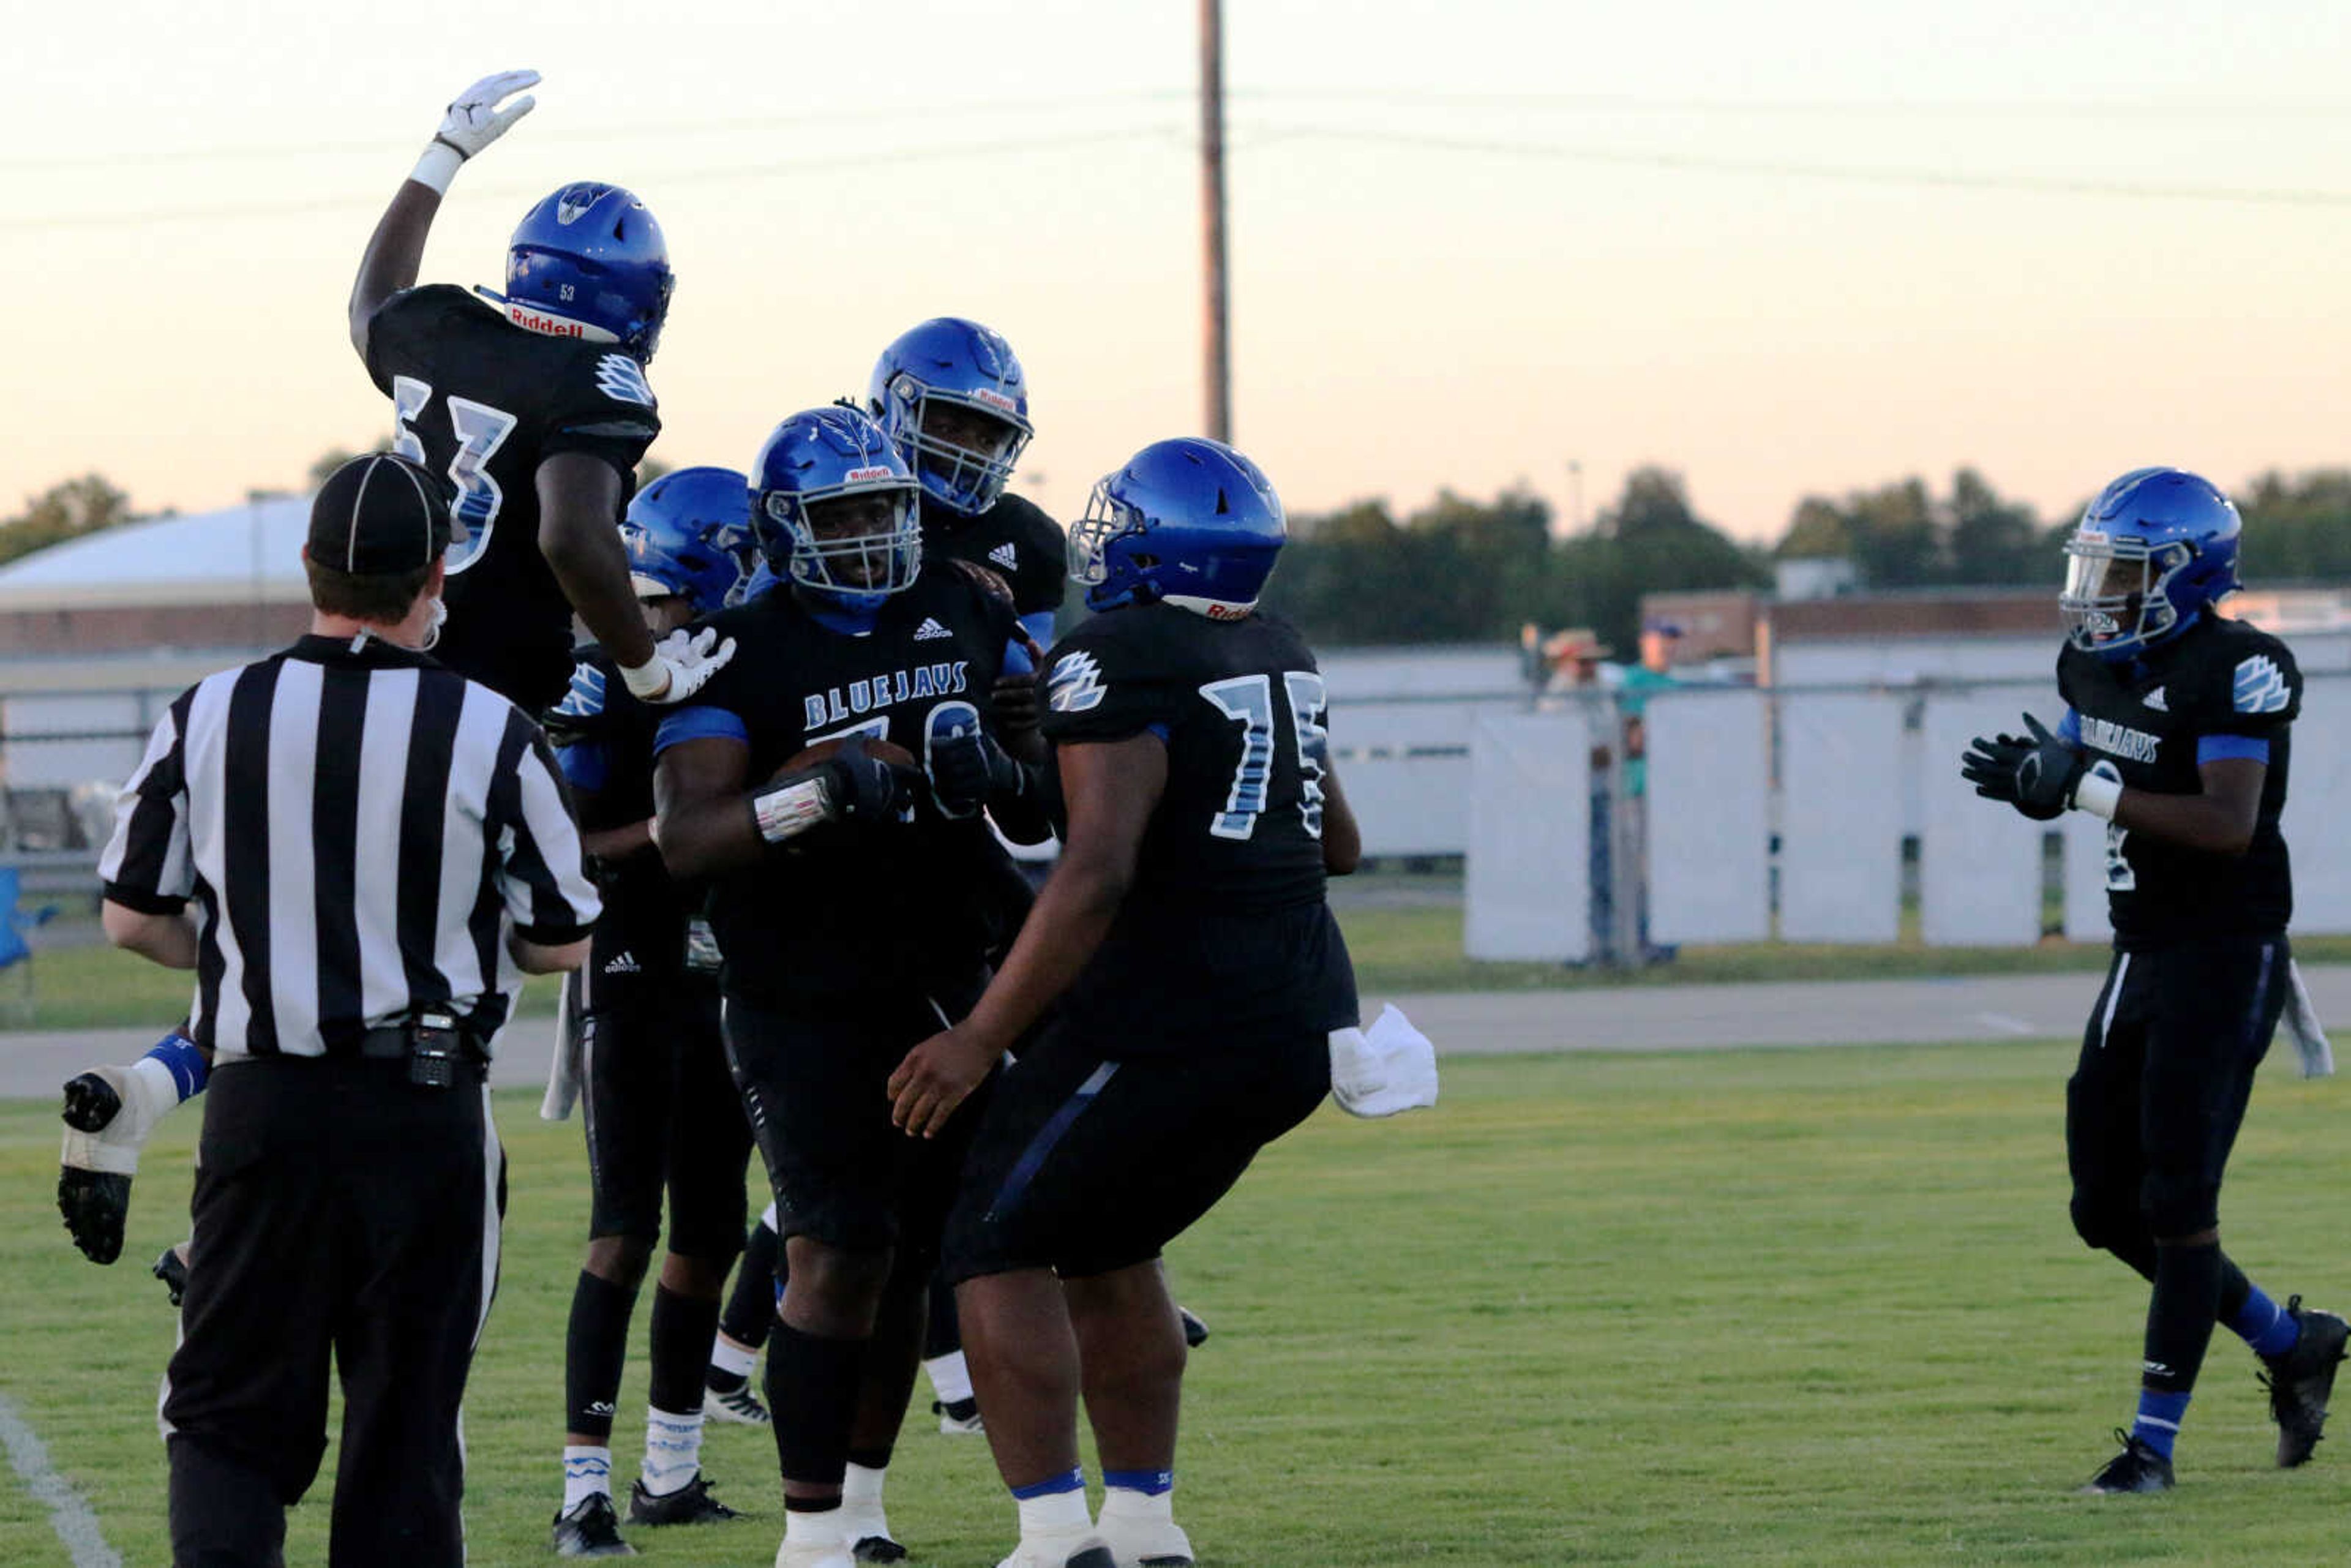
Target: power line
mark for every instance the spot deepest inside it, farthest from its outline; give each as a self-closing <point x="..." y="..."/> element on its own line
<point x="1709" y="163"/>
<point x="701" y="175"/>
<point x="1392" y="98"/>
<point x="272" y="151"/>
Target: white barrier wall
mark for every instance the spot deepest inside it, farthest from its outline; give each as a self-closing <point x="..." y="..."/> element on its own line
<point x="1710" y="789"/>
<point x="2085" y="877"/>
<point x="1408" y="805"/>
<point x="1841" y="816"/>
<point x="1528" y="881"/>
<point x="2317" y="822"/>
<point x="1979" y="861"/>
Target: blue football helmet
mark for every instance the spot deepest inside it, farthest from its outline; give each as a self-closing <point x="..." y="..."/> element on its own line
<point x="833" y="507"/>
<point x="689" y="533"/>
<point x="761" y="582"/>
<point x="952" y="398"/>
<point x="1190" y="521"/>
<point x="589" y="262"/>
<point x="2155" y="547"/>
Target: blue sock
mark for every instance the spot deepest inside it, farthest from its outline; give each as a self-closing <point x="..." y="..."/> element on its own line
<point x="2263" y="1325"/>
<point x="2160" y="1415"/>
<point x="1150" y="1483"/>
<point x="1073" y="1479"/>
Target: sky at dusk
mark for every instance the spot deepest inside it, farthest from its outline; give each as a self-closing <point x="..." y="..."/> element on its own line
<point x="1795" y="248"/>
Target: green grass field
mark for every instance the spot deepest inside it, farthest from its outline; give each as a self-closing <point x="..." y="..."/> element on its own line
<point x="1399" y="946"/>
<point x="1815" y="1307"/>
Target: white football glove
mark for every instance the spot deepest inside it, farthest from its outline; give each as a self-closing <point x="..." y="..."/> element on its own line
<point x="472" y="122"/>
<point x="474" y="119"/>
<point x="682" y="664"/>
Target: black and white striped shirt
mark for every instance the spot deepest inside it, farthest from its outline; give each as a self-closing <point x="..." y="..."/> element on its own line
<point x="358" y="826"/>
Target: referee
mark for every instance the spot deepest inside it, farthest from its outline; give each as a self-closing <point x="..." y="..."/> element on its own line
<point x="373" y="846"/>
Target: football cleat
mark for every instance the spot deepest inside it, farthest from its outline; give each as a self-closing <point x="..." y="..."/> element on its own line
<point x="689" y="1504"/>
<point x="2302" y="1381"/>
<point x="2138" y="1467"/>
<point x="1062" y="1548"/>
<point x="590" y="1529"/>
<point x="868" y="1534"/>
<point x="1144" y="1543"/>
<point x="1195" y="1332"/>
<point x="958" y="1418"/>
<point x="739" y="1406"/>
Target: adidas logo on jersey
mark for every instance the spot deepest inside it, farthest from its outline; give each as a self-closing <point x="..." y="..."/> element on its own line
<point x="2261" y="686"/>
<point x="622" y="962"/>
<point x="930" y="630"/>
<point x="1004" y="556"/>
<point x="2157" y="701"/>
<point x="1075" y="685"/>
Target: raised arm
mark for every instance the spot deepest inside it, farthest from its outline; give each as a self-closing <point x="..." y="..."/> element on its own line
<point x="396" y="250"/>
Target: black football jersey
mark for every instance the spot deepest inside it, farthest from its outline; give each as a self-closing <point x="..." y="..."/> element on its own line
<point x="1014" y="537"/>
<point x="851" y="908"/>
<point x="1225" y="932"/>
<point x="2221" y="688"/>
<point x="484" y="403"/>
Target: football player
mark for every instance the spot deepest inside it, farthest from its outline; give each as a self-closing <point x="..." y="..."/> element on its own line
<point x="2177" y="734"/>
<point x="643" y="1018"/>
<point x="534" y="404"/>
<point x="1195" y="974"/>
<point x="844" y="882"/>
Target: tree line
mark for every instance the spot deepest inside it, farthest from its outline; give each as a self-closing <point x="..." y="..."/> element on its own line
<point x="1462" y="571"/>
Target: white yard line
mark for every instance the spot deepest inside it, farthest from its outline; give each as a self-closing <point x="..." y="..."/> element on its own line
<point x="69" y="1516"/>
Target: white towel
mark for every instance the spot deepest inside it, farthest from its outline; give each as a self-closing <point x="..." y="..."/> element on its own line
<point x="564" y="1069"/>
<point x="1388" y="1067"/>
<point x="2301" y="1020"/>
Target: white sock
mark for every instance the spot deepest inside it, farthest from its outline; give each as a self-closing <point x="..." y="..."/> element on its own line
<point x="950" y="1376"/>
<point x="1055" y="1513"/>
<point x="1125" y="1502"/>
<point x="586" y="1471"/>
<point x="673" y="1450"/>
<point x="861" y="1487"/>
<point x="803" y="1527"/>
<point x="725" y="1355"/>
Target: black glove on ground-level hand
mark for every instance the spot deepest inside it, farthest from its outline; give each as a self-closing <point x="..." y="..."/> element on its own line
<point x="864" y="788"/>
<point x="968" y="769"/>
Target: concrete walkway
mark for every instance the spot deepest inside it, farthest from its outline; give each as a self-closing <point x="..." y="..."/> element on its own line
<point x="1626" y="1018"/>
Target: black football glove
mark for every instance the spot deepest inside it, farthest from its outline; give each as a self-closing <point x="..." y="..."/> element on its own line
<point x="865" y="788"/>
<point x="173" y="1272"/>
<point x="968" y="769"/>
<point x="2035" y="772"/>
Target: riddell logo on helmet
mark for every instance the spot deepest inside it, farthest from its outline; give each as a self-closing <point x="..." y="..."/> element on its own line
<point x="859" y="476"/>
<point x="1227" y="612"/>
<point x="993" y="399"/>
<point x="553" y="326"/>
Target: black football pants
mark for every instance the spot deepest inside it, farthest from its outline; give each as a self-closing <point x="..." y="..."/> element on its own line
<point x="2166" y="1068"/>
<point x="338" y="1210"/>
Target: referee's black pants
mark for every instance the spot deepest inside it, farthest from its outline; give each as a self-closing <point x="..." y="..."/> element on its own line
<point x="337" y="1208"/>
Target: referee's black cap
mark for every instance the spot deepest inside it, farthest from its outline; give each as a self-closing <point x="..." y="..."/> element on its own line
<point x="379" y="515"/>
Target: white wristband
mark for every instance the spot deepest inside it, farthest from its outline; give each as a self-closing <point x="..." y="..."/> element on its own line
<point x="2098" y="795"/>
<point x="437" y="167"/>
<point x="791" y="810"/>
<point x="646" y="681"/>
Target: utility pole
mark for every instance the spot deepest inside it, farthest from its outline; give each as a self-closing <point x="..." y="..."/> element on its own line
<point x="1218" y="349"/>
